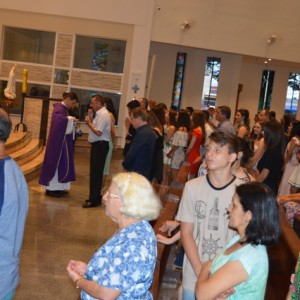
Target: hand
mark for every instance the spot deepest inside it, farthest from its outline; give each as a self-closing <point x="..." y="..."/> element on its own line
<point x="169" y="226"/>
<point x="170" y="154"/>
<point x="87" y="120"/>
<point x="76" y="268"/>
<point x="225" y="294"/>
<point x="164" y="240"/>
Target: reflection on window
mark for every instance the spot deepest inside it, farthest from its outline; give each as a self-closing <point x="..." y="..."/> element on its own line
<point x="178" y="80"/>
<point x="36" y="90"/>
<point x="85" y="96"/>
<point x="266" y="89"/>
<point x="99" y="54"/>
<point x="211" y="82"/>
<point x="61" y="76"/>
<point x="28" y="45"/>
<point x="292" y="94"/>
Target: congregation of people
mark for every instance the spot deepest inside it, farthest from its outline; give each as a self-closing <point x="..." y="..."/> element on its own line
<point x="232" y="176"/>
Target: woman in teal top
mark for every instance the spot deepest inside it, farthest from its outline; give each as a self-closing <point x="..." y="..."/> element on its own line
<point x="241" y="271"/>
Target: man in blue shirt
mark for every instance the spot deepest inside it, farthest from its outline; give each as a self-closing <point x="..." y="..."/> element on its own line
<point x="13" y="213"/>
<point x="139" y="157"/>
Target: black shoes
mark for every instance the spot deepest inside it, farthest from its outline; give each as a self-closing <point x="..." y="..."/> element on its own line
<point x="56" y="194"/>
<point x="89" y="204"/>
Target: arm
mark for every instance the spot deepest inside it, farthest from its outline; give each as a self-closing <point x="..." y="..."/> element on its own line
<point x="91" y="126"/>
<point x="112" y="126"/>
<point x="289" y="153"/>
<point x="169" y="226"/>
<point x="257" y="155"/>
<point x="76" y="269"/>
<point x="289" y="197"/>
<point x="228" y="276"/>
<point x="168" y="241"/>
<point x="172" y="151"/>
<point x="191" y="145"/>
<point x="242" y="132"/>
<point x="190" y="247"/>
<point x="260" y="177"/>
<point x="170" y="133"/>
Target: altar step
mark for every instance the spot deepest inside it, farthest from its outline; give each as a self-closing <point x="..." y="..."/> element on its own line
<point x="28" y="152"/>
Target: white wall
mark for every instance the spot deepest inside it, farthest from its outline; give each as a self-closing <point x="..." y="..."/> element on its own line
<point x="162" y="84"/>
<point x="251" y="79"/>
<point x="231" y="26"/>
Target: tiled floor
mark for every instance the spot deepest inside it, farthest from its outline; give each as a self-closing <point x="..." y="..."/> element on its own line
<point x="58" y="230"/>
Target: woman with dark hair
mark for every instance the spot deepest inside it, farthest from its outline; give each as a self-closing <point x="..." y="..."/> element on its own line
<point x="290" y="159"/>
<point x="193" y="156"/>
<point x="270" y="165"/>
<point x="257" y="144"/>
<point x="156" y="172"/>
<point x="244" y="154"/>
<point x="112" y="113"/>
<point x="180" y="140"/>
<point x="242" y="123"/>
<point x="169" y="130"/>
<point x="241" y="271"/>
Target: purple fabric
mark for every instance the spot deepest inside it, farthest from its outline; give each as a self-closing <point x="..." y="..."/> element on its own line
<point x="59" y="150"/>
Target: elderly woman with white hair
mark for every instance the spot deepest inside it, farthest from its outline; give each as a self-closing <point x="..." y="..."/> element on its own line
<point x="123" y="267"/>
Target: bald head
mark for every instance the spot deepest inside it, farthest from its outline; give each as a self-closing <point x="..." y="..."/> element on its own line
<point x="5" y="125"/>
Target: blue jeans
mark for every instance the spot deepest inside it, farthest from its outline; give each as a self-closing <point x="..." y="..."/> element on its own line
<point x="188" y="295"/>
<point x="9" y="296"/>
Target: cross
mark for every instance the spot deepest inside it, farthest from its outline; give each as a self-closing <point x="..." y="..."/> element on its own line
<point x="135" y="88"/>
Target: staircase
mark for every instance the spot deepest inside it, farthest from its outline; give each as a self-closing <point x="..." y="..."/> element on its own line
<point x="27" y="152"/>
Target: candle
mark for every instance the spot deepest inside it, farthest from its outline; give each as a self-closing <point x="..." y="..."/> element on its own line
<point x="24" y="81"/>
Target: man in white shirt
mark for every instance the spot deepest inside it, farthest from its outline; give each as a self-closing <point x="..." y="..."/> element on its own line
<point x="223" y="114"/>
<point x="99" y="136"/>
<point x="202" y="211"/>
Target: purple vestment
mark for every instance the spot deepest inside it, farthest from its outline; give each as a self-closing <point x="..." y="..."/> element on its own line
<point x="59" y="150"/>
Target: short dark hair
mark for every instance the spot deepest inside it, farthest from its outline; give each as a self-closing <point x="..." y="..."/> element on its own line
<point x="225" y="110"/>
<point x="70" y="95"/>
<point x="223" y="138"/>
<point x="140" y="112"/>
<point x="133" y="104"/>
<point x="99" y="98"/>
<point x="264" y="226"/>
<point x="5" y="127"/>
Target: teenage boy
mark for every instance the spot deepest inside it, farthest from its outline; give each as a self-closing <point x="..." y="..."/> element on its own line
<point x="202" y="211"/>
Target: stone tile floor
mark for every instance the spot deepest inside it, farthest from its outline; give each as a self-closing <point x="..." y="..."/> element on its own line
<point x="58" y="230"/>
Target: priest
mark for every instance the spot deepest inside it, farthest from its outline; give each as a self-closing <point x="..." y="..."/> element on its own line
<point x="58" y="167"/>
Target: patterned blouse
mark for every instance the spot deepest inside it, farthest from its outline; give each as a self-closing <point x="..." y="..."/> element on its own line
<point x="126" y="262"/>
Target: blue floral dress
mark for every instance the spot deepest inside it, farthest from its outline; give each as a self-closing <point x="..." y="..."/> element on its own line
<point x="126" y="262"/>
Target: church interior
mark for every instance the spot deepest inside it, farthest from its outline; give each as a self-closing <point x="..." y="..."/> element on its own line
<point x="61" y="46"/>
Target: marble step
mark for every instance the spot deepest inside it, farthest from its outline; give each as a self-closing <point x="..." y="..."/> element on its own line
<point x="32" y="168"/>
<point x="17" y="141"/>
<point x="28" y="152"/>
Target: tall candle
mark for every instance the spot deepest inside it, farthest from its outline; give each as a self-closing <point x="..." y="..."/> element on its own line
<point x="24" y="81"/>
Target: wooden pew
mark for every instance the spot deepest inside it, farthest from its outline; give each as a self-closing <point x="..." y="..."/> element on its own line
<point x="170" y="207"/>
<point x="282" y="258"/>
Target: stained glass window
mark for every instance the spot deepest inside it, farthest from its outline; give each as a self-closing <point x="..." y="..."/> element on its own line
<point x="266" y="89"/>
<point x="178" y="80"/>
<point x="292" y="94"/>
<point x="211" y="82"/>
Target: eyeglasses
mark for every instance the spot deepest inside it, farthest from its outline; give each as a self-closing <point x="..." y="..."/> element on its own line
<point x="110" y="195"/>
